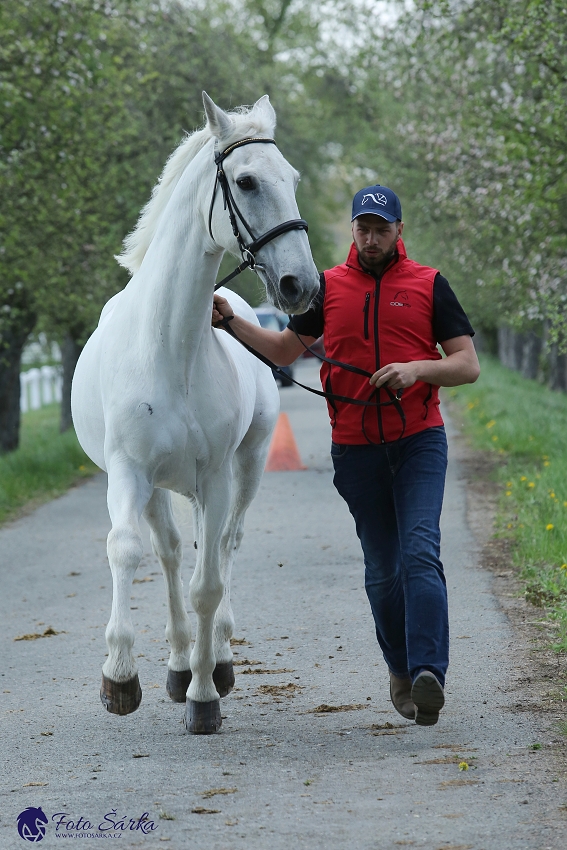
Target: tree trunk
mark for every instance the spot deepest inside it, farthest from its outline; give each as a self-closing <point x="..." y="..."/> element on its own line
<point x="507" y="347"/>
<point x="12" y="344"/>
<point x="10" y="399"/>
<point x="531" y="354"/>
<point x="556" y="369"/>
<point x="70" y="351"/>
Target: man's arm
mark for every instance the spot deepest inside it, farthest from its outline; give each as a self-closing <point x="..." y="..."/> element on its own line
<point x="460" y="366"/>
<point x="281" y="347"/>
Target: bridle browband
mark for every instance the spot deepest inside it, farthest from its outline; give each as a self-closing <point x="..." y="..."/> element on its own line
<point x="249" y="250"/>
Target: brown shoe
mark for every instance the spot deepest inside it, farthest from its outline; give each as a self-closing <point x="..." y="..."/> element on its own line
<point x="429" y="699"/>
<point x="400" y="694"/>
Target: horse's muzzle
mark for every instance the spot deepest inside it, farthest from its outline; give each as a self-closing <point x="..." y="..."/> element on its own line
<point x="293" y="295"/>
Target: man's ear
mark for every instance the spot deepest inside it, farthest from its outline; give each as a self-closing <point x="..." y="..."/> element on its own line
<point x="220" y="124"/>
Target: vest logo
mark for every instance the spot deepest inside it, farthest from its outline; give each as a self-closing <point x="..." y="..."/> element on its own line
<point x="378" y="198"/>
<point x="400" y="299"/>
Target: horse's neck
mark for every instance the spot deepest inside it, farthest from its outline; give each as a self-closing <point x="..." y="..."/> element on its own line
<point x="174" y="285"/>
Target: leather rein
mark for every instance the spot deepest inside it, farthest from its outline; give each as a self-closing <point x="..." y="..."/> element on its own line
<point x="248" y="252"/>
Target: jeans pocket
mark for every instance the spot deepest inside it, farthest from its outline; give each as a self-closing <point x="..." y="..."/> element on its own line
<point x="338" y="450"/>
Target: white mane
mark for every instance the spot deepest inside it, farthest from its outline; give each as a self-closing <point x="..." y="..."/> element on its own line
<point x="245" y="121"/>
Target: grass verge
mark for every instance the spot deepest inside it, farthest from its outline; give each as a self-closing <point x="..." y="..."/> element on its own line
<point x="46" y="464"/>
<point x="526" y="425"/>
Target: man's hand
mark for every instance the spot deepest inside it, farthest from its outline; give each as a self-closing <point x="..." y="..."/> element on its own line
<point x="459" y="366"/>
<point x="395" y="375"/>
<point x="221" y="310"/>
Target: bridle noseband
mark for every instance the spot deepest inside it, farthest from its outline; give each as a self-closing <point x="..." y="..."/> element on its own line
<point x="249" y="250"/>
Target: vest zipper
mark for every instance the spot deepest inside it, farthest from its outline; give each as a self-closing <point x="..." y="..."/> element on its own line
<point x="365" y="311"/>
<point x="377" y="352"/>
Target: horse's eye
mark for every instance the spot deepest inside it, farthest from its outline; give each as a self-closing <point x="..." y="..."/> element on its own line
<point x="245" y="183"/>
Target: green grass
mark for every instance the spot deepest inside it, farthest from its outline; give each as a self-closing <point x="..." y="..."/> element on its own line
<point x="525" y="424"/>
<point x="46" y="464"/>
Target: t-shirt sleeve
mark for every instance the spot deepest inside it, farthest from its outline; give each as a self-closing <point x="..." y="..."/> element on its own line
<point x="311" y="323"/>
<point x="449" y="318"/>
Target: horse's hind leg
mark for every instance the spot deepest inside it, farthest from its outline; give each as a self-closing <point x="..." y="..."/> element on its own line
<point x="166" y="543"/>
<point x="248" y="466"/>
<point x="127" y="495"/>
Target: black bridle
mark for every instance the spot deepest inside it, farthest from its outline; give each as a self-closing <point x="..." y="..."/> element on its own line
<point x="249" y="250"/>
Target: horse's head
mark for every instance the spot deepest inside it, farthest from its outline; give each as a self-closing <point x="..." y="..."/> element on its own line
<point x="261" y="188"/>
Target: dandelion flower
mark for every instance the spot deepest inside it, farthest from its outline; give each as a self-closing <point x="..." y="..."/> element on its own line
<point x="491" y="424"/>
<point x="494" y="437"/>
<point x="508" y="492"/>
<point x="549" y="526"/>
<point x="552" y="495"/>
<point x="508" y="484"/>
<point x="563" y="567"/>
<point x="531" y="484"/>
<point x="523" y="478"/>
<point x="463" y="766"/>
<point x="546" y="463"/>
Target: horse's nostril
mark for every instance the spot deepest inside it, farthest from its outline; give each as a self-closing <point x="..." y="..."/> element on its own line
<point x="290" y="289"/>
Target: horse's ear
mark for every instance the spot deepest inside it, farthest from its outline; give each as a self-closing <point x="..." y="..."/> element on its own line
<point x="264" y="106"/>
<point x="219" y="122"/>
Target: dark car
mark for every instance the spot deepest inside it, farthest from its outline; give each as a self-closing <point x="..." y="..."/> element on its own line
<point x="274" y="320"/>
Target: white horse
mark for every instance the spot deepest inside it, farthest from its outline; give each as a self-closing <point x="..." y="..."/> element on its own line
<point x="164" y="402"/>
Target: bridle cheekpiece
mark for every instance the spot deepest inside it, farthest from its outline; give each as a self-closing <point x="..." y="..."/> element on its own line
<point x="247" y="250"/>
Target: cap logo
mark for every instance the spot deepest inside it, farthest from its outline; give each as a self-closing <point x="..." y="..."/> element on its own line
<point x="377" y="198"/>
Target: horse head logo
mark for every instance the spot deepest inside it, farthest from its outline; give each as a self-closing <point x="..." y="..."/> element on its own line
<point x="377" y="197"/>
<point x="31" y="824"/>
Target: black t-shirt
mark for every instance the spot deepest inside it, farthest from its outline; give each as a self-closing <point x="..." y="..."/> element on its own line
<point x="449" y="318"/>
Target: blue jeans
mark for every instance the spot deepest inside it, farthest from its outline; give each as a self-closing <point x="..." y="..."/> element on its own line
<point x="395" y="494"/>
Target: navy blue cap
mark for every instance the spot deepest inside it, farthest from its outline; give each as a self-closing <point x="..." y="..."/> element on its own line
<point x="377" y="200"/>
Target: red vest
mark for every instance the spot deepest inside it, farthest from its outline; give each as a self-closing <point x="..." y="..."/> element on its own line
<point x="371" y="325"/>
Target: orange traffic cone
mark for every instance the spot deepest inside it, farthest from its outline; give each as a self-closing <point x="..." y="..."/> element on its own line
<point x="283" y="455"/>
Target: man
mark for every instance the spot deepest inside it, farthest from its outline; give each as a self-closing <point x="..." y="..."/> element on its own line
<point x="385" y="314"/>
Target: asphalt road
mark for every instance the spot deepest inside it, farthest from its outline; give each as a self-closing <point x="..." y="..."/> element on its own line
<point x="279" y="775"/>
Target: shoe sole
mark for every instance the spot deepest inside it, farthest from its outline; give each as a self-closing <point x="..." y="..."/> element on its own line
<point x="428" y="698"/>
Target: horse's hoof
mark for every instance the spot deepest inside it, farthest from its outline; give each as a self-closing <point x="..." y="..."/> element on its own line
<point x="223" y="678"/>
<point x="120" y="697"/>
<point x="203" y="718"/>
<point x="177" y="683"/>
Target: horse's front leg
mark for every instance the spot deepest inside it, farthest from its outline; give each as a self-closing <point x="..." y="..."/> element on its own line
<point x="223" y="629"/>
<point x="128" y="494"/>
<point x="166" y="543"/>
<point x="202" y="715"/>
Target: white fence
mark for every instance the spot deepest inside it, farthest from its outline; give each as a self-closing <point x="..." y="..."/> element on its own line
<point x="40" y="387"/>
